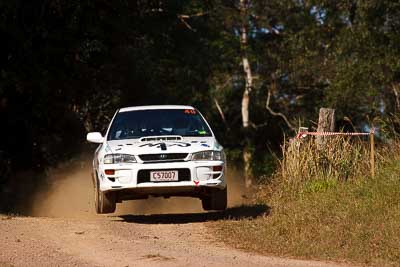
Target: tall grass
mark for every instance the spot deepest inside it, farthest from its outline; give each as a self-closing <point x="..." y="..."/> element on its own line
<point x="339" y="158"/>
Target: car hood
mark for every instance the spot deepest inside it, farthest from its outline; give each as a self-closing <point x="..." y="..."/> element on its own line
<point x="186" y="145"/>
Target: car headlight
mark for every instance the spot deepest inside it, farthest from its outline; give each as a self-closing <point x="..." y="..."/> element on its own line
<point x="119" y="158"/>
<point x="208" y="155"/>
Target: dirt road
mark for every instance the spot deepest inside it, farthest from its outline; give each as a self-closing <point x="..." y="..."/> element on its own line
<point x="59" y="228"/>
<point x="153" y="240"/>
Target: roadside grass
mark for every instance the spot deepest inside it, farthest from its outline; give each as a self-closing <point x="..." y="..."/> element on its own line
<point x="352" y="218"/>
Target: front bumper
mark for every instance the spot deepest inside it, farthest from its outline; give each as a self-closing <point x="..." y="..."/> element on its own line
<point x="126" y="177"/>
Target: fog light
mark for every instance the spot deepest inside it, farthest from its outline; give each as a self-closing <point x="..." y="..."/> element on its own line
<point x="217" y="168"/>
<point x="109" y="172"/>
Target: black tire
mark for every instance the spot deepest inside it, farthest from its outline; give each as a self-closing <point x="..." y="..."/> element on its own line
<point x="217" y="200"/>
<point x="206" y="203"/>
<point x="104" y="202"/>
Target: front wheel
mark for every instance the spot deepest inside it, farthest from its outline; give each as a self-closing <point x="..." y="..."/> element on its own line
<point x="104" y="201"/>
<point x="217" y="200"/>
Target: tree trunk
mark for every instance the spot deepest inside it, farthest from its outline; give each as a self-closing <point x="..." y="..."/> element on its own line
<point x="246" y="68"/>
<point x="247" y="157"/>
<point x="326" y="123"/>
<point x="396" y="91"/>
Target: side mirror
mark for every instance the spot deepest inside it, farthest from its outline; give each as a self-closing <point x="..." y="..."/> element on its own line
<point x="95" y="137"/>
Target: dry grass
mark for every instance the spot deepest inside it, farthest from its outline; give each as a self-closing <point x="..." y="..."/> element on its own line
<point x="324" y="205"/>
<point x="340" y="158"/>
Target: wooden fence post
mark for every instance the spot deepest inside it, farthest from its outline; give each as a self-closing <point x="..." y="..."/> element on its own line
<point x="326" y="123"/>
<point x="372" y="152"/>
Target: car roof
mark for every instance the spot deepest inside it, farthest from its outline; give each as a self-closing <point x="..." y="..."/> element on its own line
<point x="155" y="107"/>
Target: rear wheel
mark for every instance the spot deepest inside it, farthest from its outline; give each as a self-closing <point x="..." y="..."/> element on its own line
<point x="104" y="202"/>
<point x="217" y="200"/>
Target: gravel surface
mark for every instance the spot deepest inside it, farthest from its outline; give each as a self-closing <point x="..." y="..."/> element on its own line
<point x="142" y="240"/>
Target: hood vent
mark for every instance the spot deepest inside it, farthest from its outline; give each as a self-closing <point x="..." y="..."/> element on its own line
<point x="161" y="138"/>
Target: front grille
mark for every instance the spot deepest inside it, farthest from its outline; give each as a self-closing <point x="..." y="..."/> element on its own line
<point x="143" y="176"/>
<point x="170" y="157"/>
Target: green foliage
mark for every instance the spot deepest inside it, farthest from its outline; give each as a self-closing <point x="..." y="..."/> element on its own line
<point x="263" y="166"/>
<point x="234" y="155"/>
<point x="71" y="64"/>
<point x="319" y="185"/>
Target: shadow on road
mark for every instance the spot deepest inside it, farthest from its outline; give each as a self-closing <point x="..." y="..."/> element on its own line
<point x="236" y="213"/>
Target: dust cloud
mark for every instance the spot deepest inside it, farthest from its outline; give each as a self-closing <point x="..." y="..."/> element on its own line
<point x="68" y="193"/>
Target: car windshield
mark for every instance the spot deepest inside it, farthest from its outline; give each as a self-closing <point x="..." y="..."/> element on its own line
<point x="159" y="122"/>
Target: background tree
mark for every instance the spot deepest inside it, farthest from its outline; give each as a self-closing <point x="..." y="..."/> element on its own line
<point x="256" y="69"/>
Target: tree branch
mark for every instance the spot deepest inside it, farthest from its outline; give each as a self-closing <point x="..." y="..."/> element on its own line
<point x="396" y="94"/>
<point x="184" y="17"/>
<point x="221" y="112"/>
<point x="200" y="14"/>
<point x="278" y="113"/>
<point x="256" y="126"/>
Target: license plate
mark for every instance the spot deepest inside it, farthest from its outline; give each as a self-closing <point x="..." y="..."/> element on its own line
<point x="163" y="176"/>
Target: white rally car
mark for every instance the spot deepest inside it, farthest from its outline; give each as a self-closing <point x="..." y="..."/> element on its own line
<point x="158" y="151"/>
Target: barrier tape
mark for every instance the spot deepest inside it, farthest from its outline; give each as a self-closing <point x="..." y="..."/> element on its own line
<point x="304" y="134"/>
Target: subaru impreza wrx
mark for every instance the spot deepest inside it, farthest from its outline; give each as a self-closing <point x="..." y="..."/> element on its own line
<point x="158" y="151"/>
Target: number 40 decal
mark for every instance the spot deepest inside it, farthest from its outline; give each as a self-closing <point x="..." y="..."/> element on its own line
<point x="190" y="111"/>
